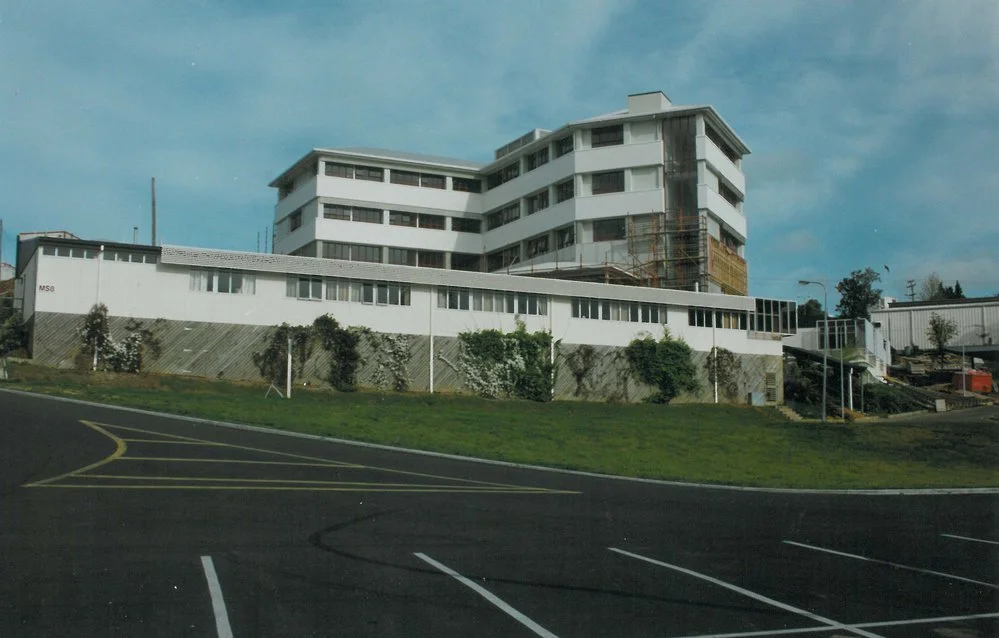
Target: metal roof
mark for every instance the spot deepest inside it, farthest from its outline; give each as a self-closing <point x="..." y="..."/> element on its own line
<point x="313" y="266"/>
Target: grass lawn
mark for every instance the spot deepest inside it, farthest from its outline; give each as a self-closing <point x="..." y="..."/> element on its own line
<point x="702" y="443"/>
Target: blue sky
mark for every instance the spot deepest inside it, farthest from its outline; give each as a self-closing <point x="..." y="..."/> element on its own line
<point x="873" y="124"/>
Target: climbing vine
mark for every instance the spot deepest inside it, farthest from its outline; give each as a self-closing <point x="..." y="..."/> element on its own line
<point x="342" y="345"/>
<point x="392" y="356"/>
<point x="272" y="361"/>
<point x="516" y="364"/>
<point x="666" y="364"/>
<point x="724" y="365"/>
<point x="105" y="353"/>
<point x="581" y="362"/>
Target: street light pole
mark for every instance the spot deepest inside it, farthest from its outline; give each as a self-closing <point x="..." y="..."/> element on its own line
<point x="825" y="344"/>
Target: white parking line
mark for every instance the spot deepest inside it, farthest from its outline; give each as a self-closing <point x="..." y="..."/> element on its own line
<point x="488" y="595"/>
<point x="830" y="624"/>
<point x="218" y="603"/>
<point x="895" y="565"/>
<point x="968" y="538"/>
<point x="865" y="625"/>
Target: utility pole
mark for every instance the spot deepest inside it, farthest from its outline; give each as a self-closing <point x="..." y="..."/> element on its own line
<point x="154" y="210"/>
<point x="911" y="285"/>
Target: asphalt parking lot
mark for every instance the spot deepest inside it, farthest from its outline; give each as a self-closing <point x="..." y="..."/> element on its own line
<point x="121" y="523"/>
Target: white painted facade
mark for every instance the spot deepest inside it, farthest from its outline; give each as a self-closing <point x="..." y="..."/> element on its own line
<point x="634" y="156"/>
<point x="69" y="277"/>
<point x="906" y="324"/>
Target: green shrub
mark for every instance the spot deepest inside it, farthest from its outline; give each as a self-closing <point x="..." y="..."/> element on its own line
<point x="666" y="364"/>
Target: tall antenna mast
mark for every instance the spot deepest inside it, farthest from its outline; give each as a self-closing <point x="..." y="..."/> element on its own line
<point x="154" y="210"/>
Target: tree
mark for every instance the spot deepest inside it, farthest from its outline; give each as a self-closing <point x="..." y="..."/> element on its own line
<point x="666" y="364"/>
<point x="939" y="332"/>
<point x="858" y="294"/>
<point x="958" y="293"/>
<point x="932" y="288"/>
<point x="810" y="314"/>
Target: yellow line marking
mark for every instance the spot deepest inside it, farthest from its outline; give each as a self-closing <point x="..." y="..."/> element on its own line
<point x="312" y="458"/>
<point x="209" y="479"/>
<point x="281" y="488"/>
<point x="120" y="447"/>
<point x="171" y="459"/>
<point x="161" y="441"/>
<point x="208" y="443"/>
<point x="468" y="485"/>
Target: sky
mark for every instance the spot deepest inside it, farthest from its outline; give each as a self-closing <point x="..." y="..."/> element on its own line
<point x="873" y="125"/>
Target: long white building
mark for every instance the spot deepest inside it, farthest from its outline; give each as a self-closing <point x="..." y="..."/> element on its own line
<point x="213" y="308"/>
<point x="651" y="195"/>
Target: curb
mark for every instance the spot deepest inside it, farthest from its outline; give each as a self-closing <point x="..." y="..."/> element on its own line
<point x="524" y="466"/>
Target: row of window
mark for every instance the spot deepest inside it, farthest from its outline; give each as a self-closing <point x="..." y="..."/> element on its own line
<point x="771" y="316"/>
<point x="396" y="218"/>
<point x="491" y="301"/>
<point x="81" y="252"/>
<point x="379" y="293"/>
<point x="231" y="282"/>
<point x="618" y="310"/>
<point x="398" y="176"/>
<point x="533" y="203"/>
<point x="538" y="158"/>
<point x="723" y="319"/>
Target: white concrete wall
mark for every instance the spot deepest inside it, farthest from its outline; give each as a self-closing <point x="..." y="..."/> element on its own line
<point x="718" y="206"/>
<point x="163" y="291"/>
<point x="609" y="158"/>
<point x="29" y="286"/>
<point x="721" y="164"/>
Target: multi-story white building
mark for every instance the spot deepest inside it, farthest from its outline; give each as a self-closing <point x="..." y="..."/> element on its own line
<point x="649" y="195"/>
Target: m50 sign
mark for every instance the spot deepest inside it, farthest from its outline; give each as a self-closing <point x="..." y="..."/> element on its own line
<point x="45" y="288"/>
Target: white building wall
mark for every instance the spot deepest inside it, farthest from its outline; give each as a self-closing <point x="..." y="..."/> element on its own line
<point x="154" y="291"/>
<point x="716" y="205"/>
<point x="721" y="164"/>
<point x="908" y="326"/>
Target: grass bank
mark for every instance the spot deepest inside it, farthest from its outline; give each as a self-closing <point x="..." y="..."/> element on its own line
<point x="701" y="443"/>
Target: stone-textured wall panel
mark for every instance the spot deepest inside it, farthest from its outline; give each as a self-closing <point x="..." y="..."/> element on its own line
<point x="226" y="351"/>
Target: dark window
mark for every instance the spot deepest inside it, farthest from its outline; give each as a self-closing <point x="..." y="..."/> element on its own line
<point x="463" y="261"/>
<point x="336" y="211"/>
<point x="607" y="136"/>
<point x="537" y="158"/>
<point x="366" y="253"/>
<point x="398" y="218"/>
<point x="720" y="143"/>
<point x="339" y="170"/>
<point x="536" y="202"/>
<point x="730" y="195"/>
<point x="430" y="259"/>
<point x="402" y="257"/>
<point x="609" y="182"/>
<point x="503" y="216"/>
<point x="432" y="181"/>
<point x="563" y="146"/>
<point x="466" y="185"/>
<point x="503" y="258"/>
<point x="336" y="250"/>
<point x="537" y="246"/>
<point x="564" y="191"/>
<point x="310" y="288"/>
<point x="405" y="177"/>
<point x="295" y="220"/>
<point x="368" y="215"/>
<point x="609" y="229"/>
<point x="369" y="173"/>
<point x="436" y="222"/>
<point x="503" y="175"/>
<point x="565" y="236"/>
<point x="465" y="225"/>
